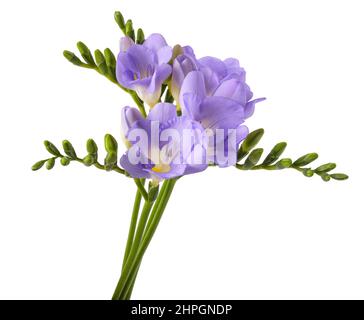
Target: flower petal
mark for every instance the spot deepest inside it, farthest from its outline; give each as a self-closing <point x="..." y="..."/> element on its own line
<point x="155" y="42"/>
<point x="250" y="106"/>
<point x="162" y="112"/>
<point x="192" y="93"/>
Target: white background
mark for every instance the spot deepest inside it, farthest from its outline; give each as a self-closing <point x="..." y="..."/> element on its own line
<point x="226" y="234"/>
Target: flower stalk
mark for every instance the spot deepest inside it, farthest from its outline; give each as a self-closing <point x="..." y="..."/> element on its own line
<point x="147" y="225"/>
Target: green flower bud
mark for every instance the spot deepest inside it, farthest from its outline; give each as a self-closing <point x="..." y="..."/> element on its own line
<point x="110" y="161"/>
<point x="140" y="36"/>
<point x="71" y="57"/>
<point x="111" y="144"/>
<point x="275" y="153"/>
<point x="65" y="161"/>
<point x="339" y="176"/>
<point x="308" y="172"/>
<point x="50" y="163"/>
<point x="253" y="158"/>
<point x="129" y="29"/>
<point x="305" y="160"/>
<point x="326" y="177"/>
<point x="119" y="19"/>
<point x="86" y="53"/>
<point x="51" y="148"/>
<point x="91" y="146"/>
<point x="36" y="166"/>
<point x="283" y="163"/>
<point x="68" y="149"/>
<point x="153" y="191"/>
<point x="89" y="160"/>
<point x="249" y="143"/>
<point x="326" y="167"/>
<point x="100" y="61"/>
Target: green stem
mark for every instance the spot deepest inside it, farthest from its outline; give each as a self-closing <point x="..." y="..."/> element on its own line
<point x="126" y="279"/>
<point x="134" y="248"/>
<point x="133" y="223"/>
<point x="141" y="188"/>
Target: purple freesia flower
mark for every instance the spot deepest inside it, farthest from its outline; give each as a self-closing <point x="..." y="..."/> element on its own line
<point x="220" y="102"/>
<point x="144" y="68"/>
<point x="163" y="145"/>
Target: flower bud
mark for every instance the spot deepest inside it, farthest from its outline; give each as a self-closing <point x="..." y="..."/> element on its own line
<point x="86" y="53"/>
<point x="36" y="166"/>
<point x="51" y="148"/>
<point x="50" y="163"/>
<point x="100" y="61"/>
<point x="68" y="149"/>
<point x="71" y="57"/>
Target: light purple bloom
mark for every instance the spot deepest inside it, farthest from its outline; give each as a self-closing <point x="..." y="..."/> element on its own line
<point x="158" y="148"/>
<point x="220" y="102"/>
<point x="144" y="68"/>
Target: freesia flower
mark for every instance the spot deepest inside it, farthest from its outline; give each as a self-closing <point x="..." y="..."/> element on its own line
<point x="163" y="145"/>
<point x="222" y="110"/>
<point x="144" y="68"/>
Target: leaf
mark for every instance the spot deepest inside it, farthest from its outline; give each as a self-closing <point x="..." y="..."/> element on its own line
<point x="275" y="153"/>
<point x="283" y="163"/>
<point x="339" y="176"/>
<point x="50" y="163"/>
<point x="325" y="167"/>
<point x="249" y="143"/>
<point x="305" y="160"/>
<point x="36" y="166"/>
<point x="86" y="53"/>
<point x="253" y="158"/>
<point x="51" y="148"/>
<point x="69" y="150"/>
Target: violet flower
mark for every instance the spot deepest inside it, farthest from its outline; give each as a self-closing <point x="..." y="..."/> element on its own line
<point x="158" y="144"/>
<point x="144" y="68"/>
<point x="220" y="107"/>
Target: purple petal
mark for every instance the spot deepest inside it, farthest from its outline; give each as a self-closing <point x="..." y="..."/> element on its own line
<point x="162" y="112"/>
<point x="126" y="43"/>
<point x="135" y="170"/>
<point x="250" y="106"/>
<point x="216" y="65"/>
<point x="155" y="42"/>
<point x="128" y="117"/>
<point x="220" y="113"/>
<point x="164" y="55"/>
<point x="192" y="93"/>
<point x="233" y="89"/>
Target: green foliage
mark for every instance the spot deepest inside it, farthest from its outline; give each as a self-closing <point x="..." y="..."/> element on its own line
<point x="272" y="161"/>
